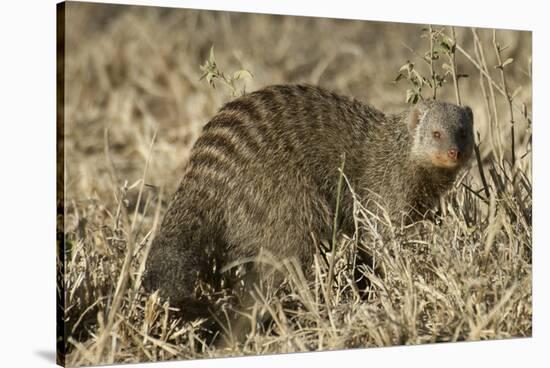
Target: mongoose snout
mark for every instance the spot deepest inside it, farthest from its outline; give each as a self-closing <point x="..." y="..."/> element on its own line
<point x="449" y="161"/>
<point x="453" y="154"/>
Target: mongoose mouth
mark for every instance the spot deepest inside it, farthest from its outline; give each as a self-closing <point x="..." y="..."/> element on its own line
<point x="445" y="162"/>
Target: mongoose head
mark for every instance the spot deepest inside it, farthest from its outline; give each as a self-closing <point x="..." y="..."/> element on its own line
<point x="442" y="134"/>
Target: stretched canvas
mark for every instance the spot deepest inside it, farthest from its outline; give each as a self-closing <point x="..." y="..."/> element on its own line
<point x="243" y="184"/>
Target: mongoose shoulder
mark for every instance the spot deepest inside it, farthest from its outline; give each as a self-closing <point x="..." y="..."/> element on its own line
<point x="264" y="172"/>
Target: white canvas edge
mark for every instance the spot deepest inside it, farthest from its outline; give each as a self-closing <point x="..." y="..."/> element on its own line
<point x="27" y="148"/>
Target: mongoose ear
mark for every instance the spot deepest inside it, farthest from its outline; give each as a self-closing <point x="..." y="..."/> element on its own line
<point x="415" y="115"/>
<point x="469" y="114"/>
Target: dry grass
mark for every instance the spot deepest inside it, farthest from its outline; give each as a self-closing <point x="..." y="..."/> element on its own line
<point x="135" y="105"/>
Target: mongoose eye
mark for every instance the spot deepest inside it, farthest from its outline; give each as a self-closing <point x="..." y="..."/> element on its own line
<point x="436" y="134"/>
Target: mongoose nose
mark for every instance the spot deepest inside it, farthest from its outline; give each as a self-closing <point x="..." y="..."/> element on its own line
<point x="453" y="154"/>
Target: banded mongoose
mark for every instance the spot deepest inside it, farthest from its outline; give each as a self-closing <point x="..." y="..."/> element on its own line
<point x="263" y="176"/>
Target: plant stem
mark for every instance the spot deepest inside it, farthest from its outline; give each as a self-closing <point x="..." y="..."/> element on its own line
<point x="452" y="59"/>
<point x="507" y="95"/>
<point x="491" y="114"/>
<point x="432" y="68"/>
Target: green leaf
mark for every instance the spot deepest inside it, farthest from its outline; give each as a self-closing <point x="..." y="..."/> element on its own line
<point x="398" y="78"/>
<point x="507" y="61"/>
<point x="210" y="78"/>
<point x="211" y="58"/>
<point x="425" y="81"/>
<point x="408" y="67"/>
<point x="516" y="91"/>
<point x="445" y="46"/>
<point x="243" y="73"/>
<point x="410" y="96"/>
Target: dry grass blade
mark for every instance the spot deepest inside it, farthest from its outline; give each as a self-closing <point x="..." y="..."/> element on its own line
<point x="142" y="184"/>
<point x="335" y="231"/>
<point x="509" y="98"/>
<point x="485" y="320"/>
<point x="172" y="349"/>
<point x="121" y="284"/>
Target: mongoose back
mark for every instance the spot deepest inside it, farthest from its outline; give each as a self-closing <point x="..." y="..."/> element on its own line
<point x="263" y="177"/>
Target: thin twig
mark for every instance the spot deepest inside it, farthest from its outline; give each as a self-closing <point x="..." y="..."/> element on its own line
<point x="489" y="78"/>
<point x="492" y="117"/>
<point x="509" y="99"/>
<point x="481" y="172"/>
<point x="432" y="67"/>
<point x="452" y="59"/>
<point x="476" y="193"/>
